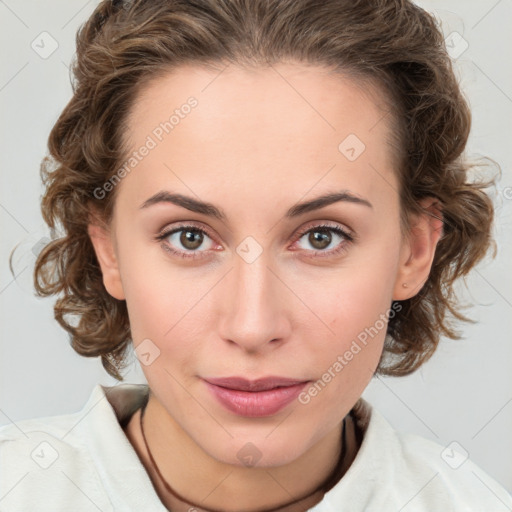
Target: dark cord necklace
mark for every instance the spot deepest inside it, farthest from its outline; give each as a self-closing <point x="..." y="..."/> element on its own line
<point x="325" y="486"/>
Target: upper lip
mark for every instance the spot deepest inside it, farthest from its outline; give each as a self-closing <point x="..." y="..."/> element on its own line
<point x="263" y="384"/>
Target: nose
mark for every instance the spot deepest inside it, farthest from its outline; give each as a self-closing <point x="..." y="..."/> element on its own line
<point x="255" y="306"/>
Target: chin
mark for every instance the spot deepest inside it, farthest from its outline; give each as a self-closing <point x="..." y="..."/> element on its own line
<point x="257" y="452"/>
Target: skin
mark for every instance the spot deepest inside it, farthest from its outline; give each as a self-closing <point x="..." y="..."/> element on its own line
<point x="258" y="142"/>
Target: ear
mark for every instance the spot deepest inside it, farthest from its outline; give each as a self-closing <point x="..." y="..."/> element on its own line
<point x="418" y="250"/>
<point x="102" y="240"/>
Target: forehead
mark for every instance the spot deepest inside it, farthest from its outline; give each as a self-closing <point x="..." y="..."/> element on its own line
<point x="288" y="125"/>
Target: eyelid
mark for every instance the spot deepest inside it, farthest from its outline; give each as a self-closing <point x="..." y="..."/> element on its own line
<point x="318" y="224"/>
<point x="166" y="231"/>
<point x="341" y="230"/>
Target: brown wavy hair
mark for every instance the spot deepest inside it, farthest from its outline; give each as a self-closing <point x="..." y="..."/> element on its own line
<point x="392" y="44"/>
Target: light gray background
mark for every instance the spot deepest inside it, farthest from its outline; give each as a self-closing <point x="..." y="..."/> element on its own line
<point x="463" y="394"/>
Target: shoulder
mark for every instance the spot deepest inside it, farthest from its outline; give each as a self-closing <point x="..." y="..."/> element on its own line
<point x="448" y="476"/>
<point x="81" y="461"/>
<point x="40" y="440"/>
<point x="406" y="472"/>
<point x="425" y="475"/>
<point x="46" y="465"/>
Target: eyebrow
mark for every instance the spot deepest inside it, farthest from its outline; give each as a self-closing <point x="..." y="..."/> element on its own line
<point x="205" y="208"/>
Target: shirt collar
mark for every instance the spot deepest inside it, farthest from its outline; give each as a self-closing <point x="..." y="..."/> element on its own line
<point x="129" y="485"/>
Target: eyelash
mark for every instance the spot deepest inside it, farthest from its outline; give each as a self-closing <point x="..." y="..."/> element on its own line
<point x="316" y="254"/>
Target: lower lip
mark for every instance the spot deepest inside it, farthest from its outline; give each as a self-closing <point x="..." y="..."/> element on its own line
<point x="256" y="403"/>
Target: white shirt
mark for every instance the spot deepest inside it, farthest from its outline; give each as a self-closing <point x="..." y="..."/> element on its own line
<point x="84" y="462"/>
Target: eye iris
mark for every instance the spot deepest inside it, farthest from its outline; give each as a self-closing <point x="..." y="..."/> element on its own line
<point x="191" y="239"/>
<point x="324" y="238"/>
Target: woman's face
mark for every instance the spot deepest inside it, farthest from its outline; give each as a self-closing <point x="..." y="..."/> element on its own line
<point x="253" y="286"/>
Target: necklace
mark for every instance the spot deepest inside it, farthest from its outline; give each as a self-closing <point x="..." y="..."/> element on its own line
<point x="326" y="485"/>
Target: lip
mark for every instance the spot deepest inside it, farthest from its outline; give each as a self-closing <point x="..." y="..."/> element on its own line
<point x="255" y="398"/>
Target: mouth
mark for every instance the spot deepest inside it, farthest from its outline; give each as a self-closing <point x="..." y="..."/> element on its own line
<point x="255" y="398"/>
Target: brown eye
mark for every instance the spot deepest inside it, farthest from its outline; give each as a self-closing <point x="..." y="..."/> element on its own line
<point x="319" y="238"/>
<point x="186" y="241"/>
<point x="325" y="240"/>
<point x="191" y="239"/>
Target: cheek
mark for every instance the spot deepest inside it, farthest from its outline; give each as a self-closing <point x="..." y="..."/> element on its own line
<point x="160" y="311"/>
<point x="357" y="332"/>
<point x="354" y="305"/>
<point x="353" y="298"/>
<point x="163" y="307"/>
<point x="149" y="307"/>
<point x="347" y="360"/>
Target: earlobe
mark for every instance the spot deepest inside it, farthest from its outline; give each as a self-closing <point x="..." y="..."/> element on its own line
<point x="101" y="239"/>
<point x="418" y="250"/>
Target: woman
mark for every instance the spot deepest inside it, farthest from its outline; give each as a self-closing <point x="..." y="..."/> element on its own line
<point x="269" y="200"/>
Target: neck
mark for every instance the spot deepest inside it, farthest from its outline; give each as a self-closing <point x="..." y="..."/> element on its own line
<point x="184" y="475"/>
